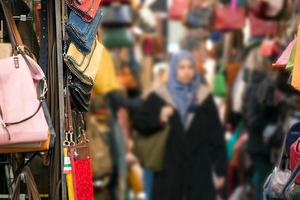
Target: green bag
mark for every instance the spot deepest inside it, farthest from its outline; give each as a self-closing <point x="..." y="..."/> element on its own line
<point x="291" y="61"/>
<point x="219" y="84"/>
<point x="150" y="150"/>
<point x="117" y="37"/>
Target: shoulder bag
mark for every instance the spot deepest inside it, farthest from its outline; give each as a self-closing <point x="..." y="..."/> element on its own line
<point x="86" y="9"/>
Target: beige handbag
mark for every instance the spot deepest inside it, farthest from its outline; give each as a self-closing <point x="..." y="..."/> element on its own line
<point x="85" y="67"/>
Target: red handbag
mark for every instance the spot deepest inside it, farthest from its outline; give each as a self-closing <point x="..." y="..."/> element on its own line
<point x="295" y="157"/>
<point x="178" y="9"/>
<point x="229" y="17"/>
<point x="269" y="48"/>
<point x="86" y="9"/>
<point x="259" y="27"/>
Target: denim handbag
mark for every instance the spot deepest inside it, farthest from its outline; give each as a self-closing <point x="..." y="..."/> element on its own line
<point x="82" y="33"/>
<point x="199" y="18"/>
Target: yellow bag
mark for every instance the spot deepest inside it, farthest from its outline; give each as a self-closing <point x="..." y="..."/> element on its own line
<point x="85" y="67"/>
<point x="106" y="79"/>
<point x="296" y="71"/>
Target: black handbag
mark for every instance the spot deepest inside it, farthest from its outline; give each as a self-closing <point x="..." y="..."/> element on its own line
<point x="117" y="15"/>
<point x="80" y="94"/>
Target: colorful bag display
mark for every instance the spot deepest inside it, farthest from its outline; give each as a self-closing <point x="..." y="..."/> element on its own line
<point x="283" y="60"/>
<point x="117" y="37"/>
<point x="117" y="15"/>
<point x="86" y="9"/>
<point x="84" y="67"/>
<point x="229" y="17"/>
<point x="81" y="33"/>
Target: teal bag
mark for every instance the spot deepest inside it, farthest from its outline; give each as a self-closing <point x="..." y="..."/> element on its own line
<point x="117" y="37"/>
<point x="233" y="139"/>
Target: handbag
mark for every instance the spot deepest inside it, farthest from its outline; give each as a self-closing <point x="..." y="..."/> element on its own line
<point x="296" y="70"/>
<point x="259" y="27"/>
<point x="106" y="78"/>
<point x="117" y="37"/>
<point x="269" y="48"/>
<point x="269" y="9"/>
<point x="229" y="17"/>
<point x="295" y="157"/>
<point x="98" y="146"/>
<point x="82" y="33"/>
<point x="86" y="9"/>
<point x="283" y="60"/>
<point x="291" y="61"/>
<point x="80" y="94"/>
<point x="219" y="84"/>
<point x="84" y="67"/>
<point x="150" y="157"/>
<point x="275" y="184"/>
<point x="117" y="15"/>
<point x="126" y="78"/>
<point x="178" y="9"/>
<point x="199" y="17"/>
<point x="20" y="111"/>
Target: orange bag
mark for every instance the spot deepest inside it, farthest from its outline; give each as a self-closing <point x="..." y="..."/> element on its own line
<point x="296" y="71"/>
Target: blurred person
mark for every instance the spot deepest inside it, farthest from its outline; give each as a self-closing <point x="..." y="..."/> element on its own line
<point x="262" y="109"/>
<point x="195" y="147"/>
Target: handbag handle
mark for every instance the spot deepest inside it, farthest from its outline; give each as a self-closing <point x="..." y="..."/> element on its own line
<point x="13" y="32"/>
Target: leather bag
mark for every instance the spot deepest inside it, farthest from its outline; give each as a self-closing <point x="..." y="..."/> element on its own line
<point x="86" y="9"/>
<point x="84" y="67"/>
<point x="82" y="33"/>
<point x="21" y="116"/>
<point x="117" y="37"/>
<point x="117" y="15"/>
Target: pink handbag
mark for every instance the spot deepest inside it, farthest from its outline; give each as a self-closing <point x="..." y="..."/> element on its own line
<point x="22" y="118"/>
<point x="283" y="60"/>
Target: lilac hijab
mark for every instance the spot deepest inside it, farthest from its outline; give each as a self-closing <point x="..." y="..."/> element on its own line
<point x="184" y="95"/>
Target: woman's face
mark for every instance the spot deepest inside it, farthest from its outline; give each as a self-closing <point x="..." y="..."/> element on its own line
<point x="185" y="71"/>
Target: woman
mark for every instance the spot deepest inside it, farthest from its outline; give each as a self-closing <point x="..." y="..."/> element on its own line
<point x="195" y="147"/>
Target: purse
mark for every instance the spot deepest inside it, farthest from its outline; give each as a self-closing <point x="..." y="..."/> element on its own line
<point x="82" y="33"/>
<point x="117" y="37"/>
<point x="106" y="78"/>
<point x="20" y="111"/>
<point x="269" y="48"/>
<point x="80" y="94"/>
<point x="291" y="61"/>
<point x="269" y="9"/>
<point x="117" y="15"/>
<point x="150" y="157"/>
<point x="126" y="78"/>
<point x="178" y="9"/>
<point x="296" y="70"/>
<point x="295" y="158"/>
<point x="86" y="9"/>
<point x="259" y="27"/>
<point x="199" y="18"/>
<point x="219" y="84"/>
<point x="283" y="60"/>
<point x="229" y="17"/>
<point x="84" y="67"/>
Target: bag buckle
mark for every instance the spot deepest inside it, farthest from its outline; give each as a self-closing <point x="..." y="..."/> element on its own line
<point x="2" y="123"/>
<point x="16" y="61"/>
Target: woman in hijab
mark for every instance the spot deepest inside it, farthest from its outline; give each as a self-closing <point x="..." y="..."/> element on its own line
<point x="195" y="148"/>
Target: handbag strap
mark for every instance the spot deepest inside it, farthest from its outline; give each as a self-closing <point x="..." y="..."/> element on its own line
<point x="13" y="32"/>
<point x="282" y="150"/>
<point x="32" y="191"/>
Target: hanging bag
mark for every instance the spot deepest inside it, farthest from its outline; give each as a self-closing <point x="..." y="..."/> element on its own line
<point x="81" y="33"/>
<point x="229" y="17"/>
<point x="22" y="118"/>
<point x="117" y="15"/>
<point x="178" y="9"/>
<point x="283" y="60"/>
<point x="86" y="9"/>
